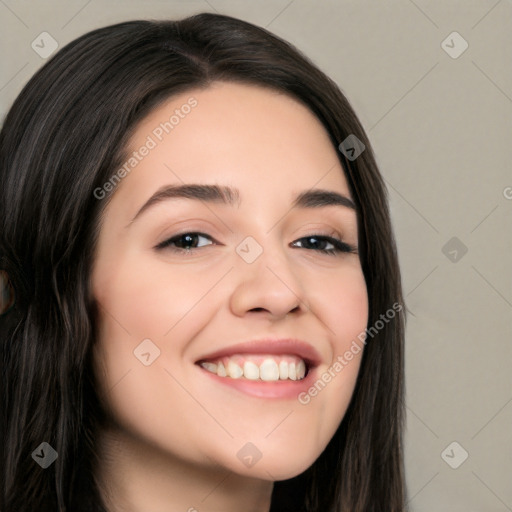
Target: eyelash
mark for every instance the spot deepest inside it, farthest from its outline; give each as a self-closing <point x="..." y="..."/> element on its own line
<point x="339" y="245"/>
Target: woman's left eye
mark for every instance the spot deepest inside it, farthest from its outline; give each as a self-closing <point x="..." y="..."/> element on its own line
<point x="185" y="242"/>
<point x="321" y="243"/>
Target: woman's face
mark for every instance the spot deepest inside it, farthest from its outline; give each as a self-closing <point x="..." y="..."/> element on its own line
<point x="188" y="277"/>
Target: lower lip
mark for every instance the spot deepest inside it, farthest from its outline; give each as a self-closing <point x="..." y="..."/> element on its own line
<point x="286" y="389"/>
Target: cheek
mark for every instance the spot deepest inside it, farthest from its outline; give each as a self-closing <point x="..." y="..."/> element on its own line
<point x="341" y="304"/>
<point x="142" y="297"/>
<point x="349" y="312"/>
<point x="139" y="302"/>
<point x="139" y="299"/>
<point x="340" y="301"/>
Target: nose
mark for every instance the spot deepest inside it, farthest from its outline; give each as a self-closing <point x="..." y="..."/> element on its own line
<point x="268" y="286"/>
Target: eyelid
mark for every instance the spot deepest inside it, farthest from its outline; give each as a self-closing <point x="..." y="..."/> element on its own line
<point x="339" y="245"/>
<point x="164" y="243"/>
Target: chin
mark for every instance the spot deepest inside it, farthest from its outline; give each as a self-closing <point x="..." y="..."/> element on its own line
<point x="277" y="468"/>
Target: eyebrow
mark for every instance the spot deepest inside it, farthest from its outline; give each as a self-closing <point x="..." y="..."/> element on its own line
<point x="313" y="198"/>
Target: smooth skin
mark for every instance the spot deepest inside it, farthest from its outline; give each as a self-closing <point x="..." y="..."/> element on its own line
<point x="175" y="433"/>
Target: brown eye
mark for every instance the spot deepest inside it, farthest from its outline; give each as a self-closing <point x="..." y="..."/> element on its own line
<point x="183" y="242"/>
<point x="321" y="243"/>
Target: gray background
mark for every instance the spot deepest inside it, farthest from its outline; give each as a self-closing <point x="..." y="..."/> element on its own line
<point x="441" y="130"/>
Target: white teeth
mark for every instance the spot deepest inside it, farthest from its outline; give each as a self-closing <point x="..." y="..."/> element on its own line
<point x="258" y="367"/>
<point x="234" y="371"/>
<point x="292" y="372"/>
<point x="300" y="369"/>
<point x="251" y="371"/>
<point x="221" y="371"/>
<point x="283" y="370"/>
<point x="269" y="370"/>
<point x="211" y="367"/>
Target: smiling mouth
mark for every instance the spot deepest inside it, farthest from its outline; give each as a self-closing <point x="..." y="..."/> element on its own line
<point x="260" y="367"/>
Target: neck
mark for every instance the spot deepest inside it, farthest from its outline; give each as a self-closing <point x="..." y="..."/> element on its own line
<point x="135" y="476"/>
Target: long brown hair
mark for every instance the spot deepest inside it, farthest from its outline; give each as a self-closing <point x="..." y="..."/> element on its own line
<point x="61" y="140"/>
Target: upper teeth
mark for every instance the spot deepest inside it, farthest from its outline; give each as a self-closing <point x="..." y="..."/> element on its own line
<point x="267" y="368"/>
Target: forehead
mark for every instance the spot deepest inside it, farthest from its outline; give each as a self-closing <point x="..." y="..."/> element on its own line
<point x="239" y="134"/>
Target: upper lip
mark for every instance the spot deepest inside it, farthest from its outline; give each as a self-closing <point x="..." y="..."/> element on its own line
<point x="273" y="346"/>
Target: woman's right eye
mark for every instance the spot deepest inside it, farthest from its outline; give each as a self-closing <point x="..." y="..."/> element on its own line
<point x="183" y="242"/>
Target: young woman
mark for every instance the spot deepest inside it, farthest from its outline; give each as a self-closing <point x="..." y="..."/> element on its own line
<point x="202" y="305"/>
